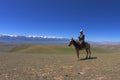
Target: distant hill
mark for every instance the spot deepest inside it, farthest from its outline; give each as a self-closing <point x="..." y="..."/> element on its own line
<point x="30" y="44"/>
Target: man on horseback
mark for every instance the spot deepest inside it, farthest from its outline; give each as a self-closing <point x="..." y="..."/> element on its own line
<point x="81" y="39"/>
<point x="81" y="45"/>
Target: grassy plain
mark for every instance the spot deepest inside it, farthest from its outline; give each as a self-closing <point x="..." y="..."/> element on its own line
<point x="58" y="62"/>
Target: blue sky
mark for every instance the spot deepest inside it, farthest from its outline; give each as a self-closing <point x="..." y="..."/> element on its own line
<point x="100" y="19"/>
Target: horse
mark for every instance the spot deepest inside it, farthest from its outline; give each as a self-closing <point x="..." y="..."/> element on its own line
<point x="79" y="47"/>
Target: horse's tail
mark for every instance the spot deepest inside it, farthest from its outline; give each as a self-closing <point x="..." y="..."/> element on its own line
<point x="87" y="45"/>
<point x="89" y="48"/>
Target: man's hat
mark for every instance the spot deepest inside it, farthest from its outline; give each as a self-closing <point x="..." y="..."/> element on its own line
<point x="81" y="30"/>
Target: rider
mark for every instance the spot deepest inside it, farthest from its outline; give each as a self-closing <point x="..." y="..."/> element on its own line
<point x="81" y="38"/>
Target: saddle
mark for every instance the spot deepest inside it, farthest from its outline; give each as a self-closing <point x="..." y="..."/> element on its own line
<point x="82" y="45"/>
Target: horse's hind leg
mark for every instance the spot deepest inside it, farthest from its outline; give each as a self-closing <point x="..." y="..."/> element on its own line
<point x="77" y="54"/>
<point x="87" y="54"/>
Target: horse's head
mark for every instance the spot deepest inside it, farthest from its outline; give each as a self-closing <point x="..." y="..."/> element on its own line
<point x="70" y="42"/>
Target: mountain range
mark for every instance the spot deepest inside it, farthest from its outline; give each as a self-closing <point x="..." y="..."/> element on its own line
<point x="30" y="39"/>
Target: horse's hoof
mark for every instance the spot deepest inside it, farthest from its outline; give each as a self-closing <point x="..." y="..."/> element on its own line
<point x="89" y="58"/>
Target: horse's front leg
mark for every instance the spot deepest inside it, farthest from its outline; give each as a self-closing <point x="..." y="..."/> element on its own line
<point x="77" y="54"/>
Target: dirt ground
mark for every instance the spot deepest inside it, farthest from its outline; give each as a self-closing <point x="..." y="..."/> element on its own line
<point x="24" y="66"/>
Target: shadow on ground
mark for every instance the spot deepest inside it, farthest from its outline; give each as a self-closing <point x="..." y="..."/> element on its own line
<point x="91" y="58"/>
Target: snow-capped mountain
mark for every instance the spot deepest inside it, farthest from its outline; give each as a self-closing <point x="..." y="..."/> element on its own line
<point x="32" y="39"/>
<point x="30" y="36"/>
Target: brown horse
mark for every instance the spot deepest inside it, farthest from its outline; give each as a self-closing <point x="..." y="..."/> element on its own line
<point x="79" y="47"/>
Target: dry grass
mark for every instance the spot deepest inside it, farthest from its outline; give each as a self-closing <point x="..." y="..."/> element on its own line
<point x="58" y="64"/>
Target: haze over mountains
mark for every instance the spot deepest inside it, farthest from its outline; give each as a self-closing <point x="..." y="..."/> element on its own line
<point x="30" y="39"/>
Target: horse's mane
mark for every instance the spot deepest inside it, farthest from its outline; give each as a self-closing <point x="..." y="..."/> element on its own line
<point x="76" y="43"/>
